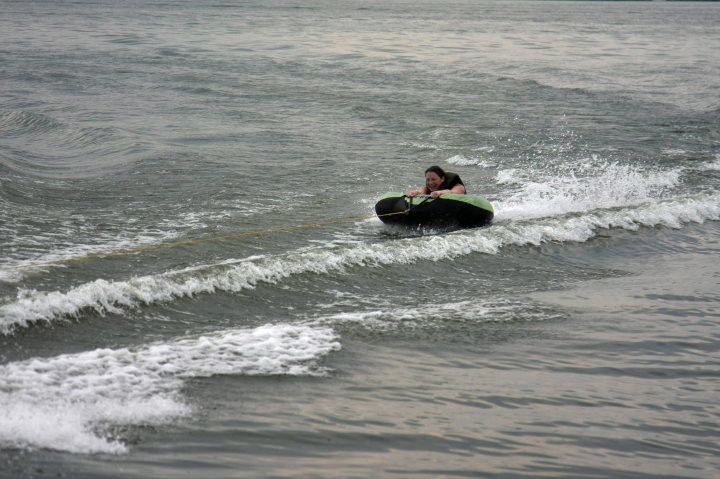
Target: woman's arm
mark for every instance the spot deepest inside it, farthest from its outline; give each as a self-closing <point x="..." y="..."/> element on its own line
<point x="420" y="191"/>
<point x="457" y="189"/>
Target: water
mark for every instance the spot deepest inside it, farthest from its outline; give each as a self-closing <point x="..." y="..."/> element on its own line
<point x="575" y="337"/>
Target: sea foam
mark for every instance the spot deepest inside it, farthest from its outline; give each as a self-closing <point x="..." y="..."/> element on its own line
<point x="435" y="315"/>
<point x="69" y="402"/>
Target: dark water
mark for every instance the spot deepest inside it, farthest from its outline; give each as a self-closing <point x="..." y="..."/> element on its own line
<point x="576" y="337"/>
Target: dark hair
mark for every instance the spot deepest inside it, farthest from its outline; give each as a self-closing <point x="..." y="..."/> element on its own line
<point x="437" y="170"/>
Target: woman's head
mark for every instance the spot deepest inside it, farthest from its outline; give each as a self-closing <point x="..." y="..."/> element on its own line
<point x="434" y="177"/>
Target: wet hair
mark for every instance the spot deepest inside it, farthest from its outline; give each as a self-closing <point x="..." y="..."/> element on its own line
<point x="437" y="170"/>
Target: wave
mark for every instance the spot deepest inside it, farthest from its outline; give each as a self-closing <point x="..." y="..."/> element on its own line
<point x="711" y="165"/>
<point x="526" y="228"/>
<point x="20" y="122"/>
<point x="105" y="242"/>
<point x="437" y="315"/>
<point x="23" y="248"/>
<point x="39" y="145"/>
<point x="25" y="244"/>
<point x="70" y="402"/>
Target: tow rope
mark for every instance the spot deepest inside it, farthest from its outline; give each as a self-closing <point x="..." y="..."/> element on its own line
<point x="188" y="242"/>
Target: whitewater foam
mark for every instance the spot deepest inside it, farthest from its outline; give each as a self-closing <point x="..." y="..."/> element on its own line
<point x="586" y="187"/>
<point x="711" y="165"/>
<point x="462" y="160"/>
<point x="436" y="315"/>
<point x="67" y="402"/>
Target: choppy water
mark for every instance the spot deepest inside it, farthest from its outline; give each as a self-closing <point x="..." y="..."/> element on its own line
<point x="575" y="337"/>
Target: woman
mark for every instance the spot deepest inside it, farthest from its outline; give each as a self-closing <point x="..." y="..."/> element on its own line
<point x="439" y="182"/>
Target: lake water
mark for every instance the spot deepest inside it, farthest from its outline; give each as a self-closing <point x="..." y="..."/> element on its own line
<point x="575" y="337"/>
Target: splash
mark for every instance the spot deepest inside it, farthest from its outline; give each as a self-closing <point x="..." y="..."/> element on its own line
<point x="462" y="160"/>
<point x="590" y="185"/>
<point x="711" y="165"/>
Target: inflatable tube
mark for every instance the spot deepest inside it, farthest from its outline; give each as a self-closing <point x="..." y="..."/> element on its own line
<point x="447" y="211"/>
